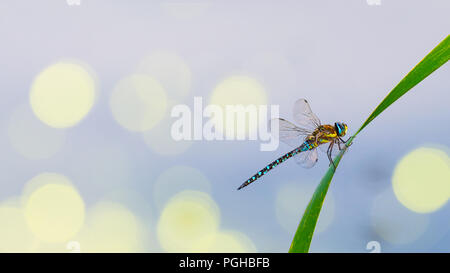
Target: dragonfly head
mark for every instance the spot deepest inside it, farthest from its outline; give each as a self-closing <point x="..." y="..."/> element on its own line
<point x="341" y="128"/>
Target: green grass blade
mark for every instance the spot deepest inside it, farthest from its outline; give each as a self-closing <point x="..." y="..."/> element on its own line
<point x="305" y="230"/>
<point x="435" y="59"/>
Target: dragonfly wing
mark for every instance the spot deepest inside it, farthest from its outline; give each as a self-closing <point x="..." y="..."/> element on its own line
<point x="303" y="115"/>
<point x="307" y="159"/>
<point x="289" y="133"/>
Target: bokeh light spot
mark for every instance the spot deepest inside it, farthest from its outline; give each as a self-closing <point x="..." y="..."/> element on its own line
<point x="62" y="94"/>
<point x="177" y="179"/>
<point x="138" y="102"/>
<point x="238" y="90"/>
<point x="14" y="233"/>
<point x="55" y="211"/>
<point x="190" y="216"/>
<point x="111" y="227"/>
<point x="224" y="242"/>
<point x="421" y="180"/>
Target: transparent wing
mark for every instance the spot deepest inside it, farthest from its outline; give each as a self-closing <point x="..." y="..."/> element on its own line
<point x="303" y="115"/>
<point x="288" y="132"/>
<point x="307" y="159"/>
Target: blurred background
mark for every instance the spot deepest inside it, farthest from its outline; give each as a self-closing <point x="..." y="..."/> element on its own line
<point x="88" y="162"/>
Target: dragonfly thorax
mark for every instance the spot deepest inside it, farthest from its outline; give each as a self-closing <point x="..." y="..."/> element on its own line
<point x="323" y="134"/>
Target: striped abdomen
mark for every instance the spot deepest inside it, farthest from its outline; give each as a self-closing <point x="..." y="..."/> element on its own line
<point x="307" y="145"/>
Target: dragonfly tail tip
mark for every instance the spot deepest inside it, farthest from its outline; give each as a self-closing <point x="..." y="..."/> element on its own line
<point x="242" y="186"/>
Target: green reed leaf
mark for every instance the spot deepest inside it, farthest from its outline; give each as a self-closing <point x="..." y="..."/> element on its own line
<point x="305" y="231"/>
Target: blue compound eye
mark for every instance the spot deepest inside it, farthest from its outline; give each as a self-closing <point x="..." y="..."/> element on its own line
<point x="339" y="128"/>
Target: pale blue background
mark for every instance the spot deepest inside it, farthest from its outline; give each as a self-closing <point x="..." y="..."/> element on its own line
<point x="344" y="56"/>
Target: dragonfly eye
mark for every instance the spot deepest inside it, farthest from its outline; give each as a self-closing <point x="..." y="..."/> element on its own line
<point x="341" y="128"/>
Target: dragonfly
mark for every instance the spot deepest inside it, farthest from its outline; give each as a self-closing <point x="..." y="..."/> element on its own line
<point x="305" y="138"/>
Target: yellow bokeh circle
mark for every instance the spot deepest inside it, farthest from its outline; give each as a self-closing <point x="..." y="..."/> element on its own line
<point x="421" y="180"/>
<point x="176" y="179"/>
<point x="189" y="217"/>
<point x="62" y="94"/>
<point x="238" y="90"/>
<point x="111" y="227"/>
<point x="138" y="102"/>
<point x="224" y="242"/>
<point x="14" y="233"/>
<point x="54" y="212"/>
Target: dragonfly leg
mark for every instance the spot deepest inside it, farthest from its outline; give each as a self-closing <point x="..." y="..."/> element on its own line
<point x="345" y="141"/>
<point x="339" y="145"/>
<point x="329" y="151"/>
<point x="317" y="138"/>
